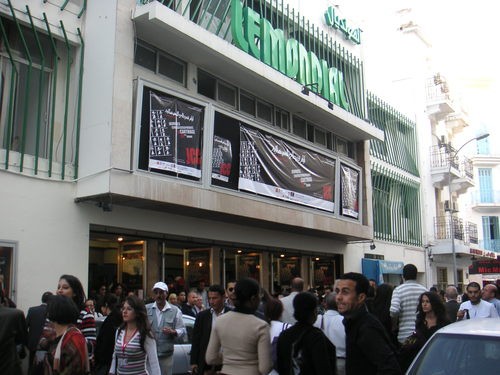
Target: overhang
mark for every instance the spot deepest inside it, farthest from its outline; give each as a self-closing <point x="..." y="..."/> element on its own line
<point x="169" y="31"/>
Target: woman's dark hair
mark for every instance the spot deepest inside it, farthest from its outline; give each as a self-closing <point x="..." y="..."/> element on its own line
<point x="244" y="290"/>
<point x="382" y="302"/>
<point x="111" y="302"/>
<point x="76" y="285"/>
<point x="62" y="310"/>
<point x="141" y="318"/>
<point x="273" y="309"/>
<point x="304" y="305"/>
<point x="437" y="307"/>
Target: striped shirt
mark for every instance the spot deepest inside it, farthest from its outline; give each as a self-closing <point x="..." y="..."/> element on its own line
<point x="404" y="304"/>
<point x="130" y="359"/>
<point x="86" y="325"/>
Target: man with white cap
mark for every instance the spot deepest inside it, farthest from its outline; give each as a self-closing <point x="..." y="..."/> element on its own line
<point x="166" y="324"/>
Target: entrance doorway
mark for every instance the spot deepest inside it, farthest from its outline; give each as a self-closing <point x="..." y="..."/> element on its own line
<point x="114" y="260"/>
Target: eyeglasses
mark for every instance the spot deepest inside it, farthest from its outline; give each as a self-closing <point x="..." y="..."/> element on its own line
<point x="230" y="289"/>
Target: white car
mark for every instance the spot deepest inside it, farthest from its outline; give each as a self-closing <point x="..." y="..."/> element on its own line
<point x="182" y="349"/>
<point x="468" y="347"/>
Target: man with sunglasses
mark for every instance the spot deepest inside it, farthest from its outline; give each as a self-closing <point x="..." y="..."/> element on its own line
<point x="166" y="324"/>
<point x="230" y="295"/>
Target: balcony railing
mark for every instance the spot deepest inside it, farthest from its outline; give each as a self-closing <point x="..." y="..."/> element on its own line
<point x="491" y="197"/>
<point x="491" y="245"/>
<point x="441" y="156"/>
<point x="463" y="230"/>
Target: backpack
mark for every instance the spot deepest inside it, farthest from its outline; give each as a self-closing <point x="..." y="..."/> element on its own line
<point x="297" y="362"/>
<point x="274" y="347"/>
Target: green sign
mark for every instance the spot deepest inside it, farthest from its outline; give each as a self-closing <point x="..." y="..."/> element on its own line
<point x="333" y="20"/>
<point x="257" y="37"/>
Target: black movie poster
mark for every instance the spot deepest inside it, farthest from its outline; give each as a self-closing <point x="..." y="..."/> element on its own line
<point x="272" y="167"/>
<point x="174" y="136"/>
<point x="222" y="158"/>
<point x="349" y="179"/>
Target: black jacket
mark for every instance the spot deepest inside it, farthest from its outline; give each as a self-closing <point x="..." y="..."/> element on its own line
<point x="368" y="347"/>
<point x="318" y="352"/>
<point x="452" y="307"/>
<point x="201" y="335"/>
<point x="105" y="344"/>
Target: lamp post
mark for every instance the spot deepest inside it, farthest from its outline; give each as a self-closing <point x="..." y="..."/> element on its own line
<point x="453" y="155"/>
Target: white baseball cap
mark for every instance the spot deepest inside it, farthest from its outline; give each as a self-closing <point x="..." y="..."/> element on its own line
<point x="161" y="285"/>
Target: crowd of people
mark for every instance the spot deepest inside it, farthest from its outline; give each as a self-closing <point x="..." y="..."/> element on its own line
<point x="354" y="327"/>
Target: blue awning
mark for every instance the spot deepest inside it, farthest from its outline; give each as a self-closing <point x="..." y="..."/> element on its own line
<point x="376" y="268"/>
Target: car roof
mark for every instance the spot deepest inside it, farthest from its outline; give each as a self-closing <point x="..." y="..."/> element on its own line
<point x="481" y="326"/>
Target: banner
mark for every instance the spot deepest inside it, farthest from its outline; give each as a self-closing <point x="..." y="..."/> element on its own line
<point x="349" y="181"/>
<point x="222" y="158"/>
<point x="272" y="167"/>
<point x="174" y="135"/>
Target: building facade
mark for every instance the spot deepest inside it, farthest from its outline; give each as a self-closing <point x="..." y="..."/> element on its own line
<point x="210" y="140"/>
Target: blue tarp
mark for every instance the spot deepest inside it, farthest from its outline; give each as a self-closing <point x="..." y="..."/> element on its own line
<point x="375" y="268"/>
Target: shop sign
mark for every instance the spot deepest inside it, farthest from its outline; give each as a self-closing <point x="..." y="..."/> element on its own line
<point x="333" y="19"/>
<point x="257" y="37"/>
<point x="485" y="267"/>
<point x="483" y="253"/>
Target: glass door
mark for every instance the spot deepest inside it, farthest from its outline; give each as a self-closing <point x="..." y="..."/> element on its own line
<point x="131" y="268"/>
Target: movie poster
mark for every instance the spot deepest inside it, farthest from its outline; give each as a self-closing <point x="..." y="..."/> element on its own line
<point x="222" y="159"/>
<point x="272" y="167"/>
<point x="175" y="135"/>
<point x="349" y="180"/>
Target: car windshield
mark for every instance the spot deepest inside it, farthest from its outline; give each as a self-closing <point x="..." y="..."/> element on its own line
<point x="449" y="354"/>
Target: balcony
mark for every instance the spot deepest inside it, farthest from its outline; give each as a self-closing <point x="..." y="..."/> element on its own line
<point x="465" y="234"/>
<point x="461" y="169"/>
<point x="490" y="245"/>
<point x="439" y="102"/>
<point x="487" y="201"/>
<point x="457" y="121"/>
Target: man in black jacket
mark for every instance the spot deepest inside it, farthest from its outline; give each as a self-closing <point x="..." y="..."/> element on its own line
<point x="368" y="348"/>
<point x="202" y="329"/>
<point x="35" y="321"/>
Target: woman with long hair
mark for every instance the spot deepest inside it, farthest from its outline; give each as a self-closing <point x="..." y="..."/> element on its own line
<point x="135" y="347"/>
<point x="380" y="307"/>
<point x="70" y="286"/>
<point x="105" y="345"/>
<point x="431" y="316"/>
<point x="67" y="353"/>
<point x="243" y="338"/>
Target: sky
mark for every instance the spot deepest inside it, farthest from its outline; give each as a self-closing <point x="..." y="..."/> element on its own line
<point x="465" y="46"/>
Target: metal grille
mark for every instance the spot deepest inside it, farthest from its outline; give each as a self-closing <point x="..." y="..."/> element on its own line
<point x="215" y="16"/>
<point x="39" y="97"/>
<point x="399" y="147"/>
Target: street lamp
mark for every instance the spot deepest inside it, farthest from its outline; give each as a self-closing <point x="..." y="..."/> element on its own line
<point x="453" y="155"/>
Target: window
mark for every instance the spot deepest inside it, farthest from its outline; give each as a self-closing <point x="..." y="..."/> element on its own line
<point x="442" y="278"/>
<point x="265" y="111"/>
<point x="491" y="233"/>
<point x="28" y="94"/>
<point x="299" y="127"/>
<point x="206" y="84"/>
<point x="145" y="57"/>
<point x="485" y="185"/>
<point x="282" y="119"/>
<point x="151" y="58"/>
<point x="226" y="94"/>
<point x="172" y="68"/>
<point x="320" y="136"/>
<point x="247" y="103"/>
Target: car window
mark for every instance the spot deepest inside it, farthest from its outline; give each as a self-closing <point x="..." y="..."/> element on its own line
<point x="189" y="324"/>
<point x="458" y="354"/>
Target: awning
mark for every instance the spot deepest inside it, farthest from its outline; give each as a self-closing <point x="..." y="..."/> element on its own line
<point x="376" y="268"/>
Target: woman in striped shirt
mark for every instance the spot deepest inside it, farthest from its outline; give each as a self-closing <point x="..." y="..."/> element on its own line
<point x="135" y="347"/>
<point x="71" y="287"/>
